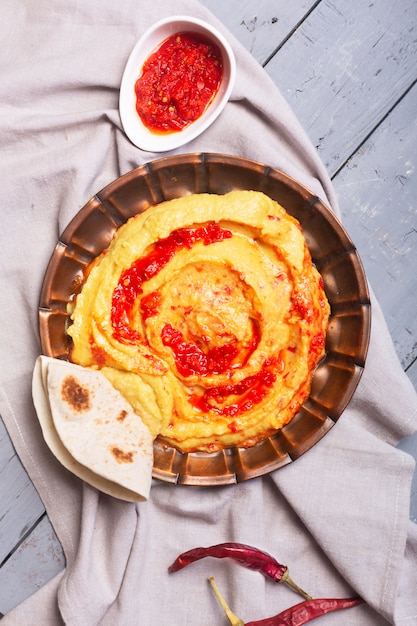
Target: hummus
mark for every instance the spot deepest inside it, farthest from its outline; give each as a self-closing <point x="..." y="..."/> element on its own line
<point x="208" y="315"/>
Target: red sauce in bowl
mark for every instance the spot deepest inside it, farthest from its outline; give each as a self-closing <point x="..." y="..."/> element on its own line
<point x="178" y="82"/>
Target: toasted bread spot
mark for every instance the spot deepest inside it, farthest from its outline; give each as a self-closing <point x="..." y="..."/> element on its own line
<point x="74" y="394"/>
<point x="121" y="456"/>
<point x="122" y="416"/>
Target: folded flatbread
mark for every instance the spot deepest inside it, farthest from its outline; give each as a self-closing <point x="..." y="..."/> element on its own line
<point x="92" y="430"/>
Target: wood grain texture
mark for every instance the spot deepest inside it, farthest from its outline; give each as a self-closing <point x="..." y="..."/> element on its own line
<point x="412" y="373"/>
<point x="377" y="192"/>
<point x="20" y="506"/>
<point x="262" y="26"/>
<point x="345" y="68"/>
<point x="38" y="559"/>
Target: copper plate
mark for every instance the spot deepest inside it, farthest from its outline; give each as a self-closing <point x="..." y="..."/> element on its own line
<point x="333" y="252"/>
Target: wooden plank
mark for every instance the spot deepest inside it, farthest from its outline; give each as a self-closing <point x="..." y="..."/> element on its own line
<point x="262" y="26"/>
<point x="38" y="559"/>
<point x="345" y="68"/>
<point x="412" y="373"/>
<point x="377" y="192"/>
<point x="21" y="506"/>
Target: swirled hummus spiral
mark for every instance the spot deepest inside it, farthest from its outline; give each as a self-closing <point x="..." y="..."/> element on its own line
<point x="207" y="313"/>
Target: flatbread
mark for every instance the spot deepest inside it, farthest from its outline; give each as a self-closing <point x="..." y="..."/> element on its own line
<point x="92" y="430"/>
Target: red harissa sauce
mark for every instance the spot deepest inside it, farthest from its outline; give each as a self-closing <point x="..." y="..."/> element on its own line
<point x="230" y="399"/>
<point x="131" y="280"/>
<point x="178" y="82"/>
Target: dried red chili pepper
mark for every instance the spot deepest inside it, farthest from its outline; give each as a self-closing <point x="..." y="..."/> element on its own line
<point x="307" y="611"/>
<point x="249" y="557"/>
<point x="297" y="615"/>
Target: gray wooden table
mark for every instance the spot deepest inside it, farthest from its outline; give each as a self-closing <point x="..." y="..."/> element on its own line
<point x="349" y="71"/>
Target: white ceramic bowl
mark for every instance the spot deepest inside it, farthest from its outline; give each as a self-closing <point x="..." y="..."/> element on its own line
<point x="137" y="132"/>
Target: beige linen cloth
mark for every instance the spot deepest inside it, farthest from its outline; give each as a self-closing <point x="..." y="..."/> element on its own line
<point x="338" y="516"/>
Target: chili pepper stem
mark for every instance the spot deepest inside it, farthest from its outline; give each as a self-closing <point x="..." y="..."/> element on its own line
<point x="233" y="619"/>
<point x="286" y="578"/>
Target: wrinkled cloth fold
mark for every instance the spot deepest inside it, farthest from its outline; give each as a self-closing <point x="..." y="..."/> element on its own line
<point x="338" y="516"/>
